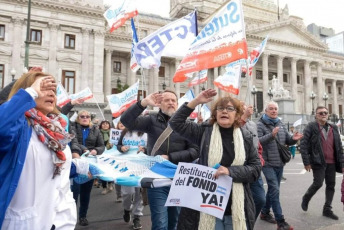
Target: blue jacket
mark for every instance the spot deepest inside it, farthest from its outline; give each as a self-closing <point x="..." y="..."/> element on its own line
<point x="15" y="134"/>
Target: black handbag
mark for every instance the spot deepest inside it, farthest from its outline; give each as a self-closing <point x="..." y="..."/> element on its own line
<point x="283" y="151"/>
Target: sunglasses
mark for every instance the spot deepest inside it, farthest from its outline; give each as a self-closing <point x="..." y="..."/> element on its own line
<point x="322" y="113"/>
<point x="228" y="108"/>
<point x="84" y="117"/>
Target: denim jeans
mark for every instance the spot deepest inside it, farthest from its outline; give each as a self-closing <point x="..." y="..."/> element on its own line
<point x="162" y="217"/>
<point x="319" y="175"/>
<point x="273" y="177"/>
<point x="85" y="192"/>
<point x="224" y="224"/>
<point x="258" y="194"/>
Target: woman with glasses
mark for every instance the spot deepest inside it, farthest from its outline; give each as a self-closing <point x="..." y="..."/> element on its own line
<point x="35" y="159"/>
<point x="88" y="138"/>
<point x="222" y="142"/>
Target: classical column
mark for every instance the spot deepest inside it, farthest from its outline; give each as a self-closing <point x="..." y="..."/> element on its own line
<point x="293" y="62"/>
<point x="334" y="97"/>
<point x="16" y="38"/>
<point x="150" y="77"/>
<point x="107" y="79"/>
<point x="216" y="74"/>
<point x="52" y="68"/>
<point x="98" y="62"/>
<point x="280" y="69"/>
<point x="265" y="76"/>
<point x="156" y="79"/>
<point x="131" y="74"/>
<point x="320" y="83"/>
<point x="307" y="87"/>
<point x="85" y="58"/>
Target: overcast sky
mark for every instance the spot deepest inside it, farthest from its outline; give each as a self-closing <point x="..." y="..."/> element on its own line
<point x="329" y="13"/>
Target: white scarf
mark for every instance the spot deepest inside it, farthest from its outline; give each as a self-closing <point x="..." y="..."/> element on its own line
<point x="207" y="222"/>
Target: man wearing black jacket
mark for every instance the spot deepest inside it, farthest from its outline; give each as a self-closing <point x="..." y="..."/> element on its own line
<point x="175" y="149"/>
<point x="321" y="151"/>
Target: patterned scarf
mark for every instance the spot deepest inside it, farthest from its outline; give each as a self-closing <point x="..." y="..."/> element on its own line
<point x="238" y="196"/>
<point x="50" y="130"/>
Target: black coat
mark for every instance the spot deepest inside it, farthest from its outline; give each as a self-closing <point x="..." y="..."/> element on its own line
<point x="175" y="146"/>
<point x="311" y="147"/>
<point x="93" y="141"/>
<point x="200" y="134"/>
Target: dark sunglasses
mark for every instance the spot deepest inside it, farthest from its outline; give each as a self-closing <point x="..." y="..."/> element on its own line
<point x="84" y="117"/>
<point x="322" y="113"/>
<point x="228" y="108"/>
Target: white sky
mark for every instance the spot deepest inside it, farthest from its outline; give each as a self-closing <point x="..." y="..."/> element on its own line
<point x="326" y="13"/>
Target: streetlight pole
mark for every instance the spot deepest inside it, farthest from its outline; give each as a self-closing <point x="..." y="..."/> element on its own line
<point x="312" y="98"/>
<point x="27" y="42"/>
<point x="325" y="97"/>
<point x="163" y="86"/>
<point x="13" y="73"/>
<point x="270" y="94"/>
<point x="254" y="92"/>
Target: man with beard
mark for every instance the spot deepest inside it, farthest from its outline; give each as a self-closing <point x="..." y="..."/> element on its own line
<point x="174" y="148"/>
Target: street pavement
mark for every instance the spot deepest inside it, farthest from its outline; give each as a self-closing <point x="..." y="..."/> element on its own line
<point x="104" y="213"/>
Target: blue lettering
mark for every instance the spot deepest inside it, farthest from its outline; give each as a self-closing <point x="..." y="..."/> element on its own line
<point x="185" y="30"/>
<point x="144" y="48"/>
<point x="234" y="5"/>
<point x="156" y="42"/>
<point x="167" y="34"/>
<point x="209" y="29"/>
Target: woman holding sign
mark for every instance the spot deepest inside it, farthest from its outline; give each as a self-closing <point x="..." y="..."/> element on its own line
<point x="223" y="142"/>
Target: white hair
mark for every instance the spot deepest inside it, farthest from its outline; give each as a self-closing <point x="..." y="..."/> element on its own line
<point x="271" y="103"/>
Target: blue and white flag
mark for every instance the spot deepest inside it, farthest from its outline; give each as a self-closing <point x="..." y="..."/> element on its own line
<point x="133" y="62"/>
<point x="172" y="40"/>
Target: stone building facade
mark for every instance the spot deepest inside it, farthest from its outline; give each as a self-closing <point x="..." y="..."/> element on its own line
<point x="70" y="39"/>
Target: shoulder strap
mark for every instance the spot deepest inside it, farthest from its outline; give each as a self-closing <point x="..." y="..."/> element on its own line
<point x="163" y="136"/>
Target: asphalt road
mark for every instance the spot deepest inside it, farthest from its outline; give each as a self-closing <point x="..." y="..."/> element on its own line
<point x="105" y="214"/>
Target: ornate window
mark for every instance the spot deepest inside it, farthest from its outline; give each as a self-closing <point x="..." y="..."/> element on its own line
<point x="329" y="89"/>
<point x="117" y="66"/>
<point x="161" y="71"/>
<point x="299" y="79"/>
<point x="259" y="75"/>
<point x="69" y="41"/>
<point x="36" y="36"/>
<point x="285" y="78"/>
<point x="2" y="32"/>
<point x="68" y="80"/>
<point x="340" y="90"/>
<point x="2" y="71"/>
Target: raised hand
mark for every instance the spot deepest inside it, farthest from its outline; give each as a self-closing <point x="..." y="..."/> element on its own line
<point x="153" y="99"/>
<point x="297" y="136"/>
<point x="204" y="97"/>
<point x="44" y="84"/>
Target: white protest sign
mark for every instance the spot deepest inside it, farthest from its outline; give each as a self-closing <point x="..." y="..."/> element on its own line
<point x="194" y="187"/>
<point x="61" y="95"/>
<point x="115" y="134"/>
<point x="85" y="94"/>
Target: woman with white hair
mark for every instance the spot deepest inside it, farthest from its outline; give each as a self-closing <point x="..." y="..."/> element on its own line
<point x="223" y="142"/>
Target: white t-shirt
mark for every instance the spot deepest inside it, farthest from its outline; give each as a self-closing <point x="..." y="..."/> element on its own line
<point x="39" y="200"/>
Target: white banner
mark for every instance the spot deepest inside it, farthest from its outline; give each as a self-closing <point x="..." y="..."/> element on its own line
<point x="194" y="187"/>
<point x="201" y="77"/>
<point x="115" y="134"/>
<point x="122" y="101"/>
<point x="85" y="94"/>
<point x="172" y="40"/>
<point x="230" y="81"/>
<point x="221" y="41"/>
<point x="119" y="12"/>
<point x="61" y="95"/>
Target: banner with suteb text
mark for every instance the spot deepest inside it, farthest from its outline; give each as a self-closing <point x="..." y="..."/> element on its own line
<point x="194" y="187"/>
<point x="221" y="41"/>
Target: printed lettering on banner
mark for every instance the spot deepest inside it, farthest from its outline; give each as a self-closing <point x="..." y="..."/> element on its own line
<point x="194" y="187"/>
<point x="134" y="140"/>
<point x="199" y="79"/>
<point x="122" y="101"/>
<point x="230" y="81"/>
<point x="222" y="41"/>
<point x="115" y="134"/>
<point x="61" y="95"/>
<point x="84" y="94"/>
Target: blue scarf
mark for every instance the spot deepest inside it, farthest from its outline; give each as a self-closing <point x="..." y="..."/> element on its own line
<point x="268" y="120"/>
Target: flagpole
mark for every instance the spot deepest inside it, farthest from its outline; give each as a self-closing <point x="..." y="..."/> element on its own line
<point x="143" y="77"/>
<point x="99" y="107"/>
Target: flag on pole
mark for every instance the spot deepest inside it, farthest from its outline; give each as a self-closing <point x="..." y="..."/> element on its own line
<point x="172" y="40"/>
<point x="61" y="95"/>
<point x="119" y="13"/>
<point x="201" y="77"/>
<point x="254" y="56"/>
<point x="222" y="41"/>
<point x="85" y="94"/>
<point x="298" y="122"/>
<point x="133" y="62"/>
<point x="122" y="101"/>
<point x="188" y="96"/>
<point x="230" y="81"/>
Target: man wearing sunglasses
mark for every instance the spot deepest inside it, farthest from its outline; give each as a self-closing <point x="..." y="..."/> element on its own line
<point x="321" y="151"/>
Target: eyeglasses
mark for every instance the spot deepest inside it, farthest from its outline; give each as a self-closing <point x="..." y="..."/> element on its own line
<point x="322" y="113"/>
<point x="228" y="108"/>
<point x="84" y="117"/>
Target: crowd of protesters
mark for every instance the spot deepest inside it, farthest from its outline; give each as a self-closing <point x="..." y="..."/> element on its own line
<point x="40" y="151"/>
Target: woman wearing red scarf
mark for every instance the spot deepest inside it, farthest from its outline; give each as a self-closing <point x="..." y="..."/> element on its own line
<point x="35" y="159"/>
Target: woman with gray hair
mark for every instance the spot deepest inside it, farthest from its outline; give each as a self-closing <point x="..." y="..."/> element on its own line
<point x="88" y="138"/>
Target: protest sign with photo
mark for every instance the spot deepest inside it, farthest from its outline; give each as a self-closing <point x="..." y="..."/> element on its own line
<point x="194" y="187"/>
